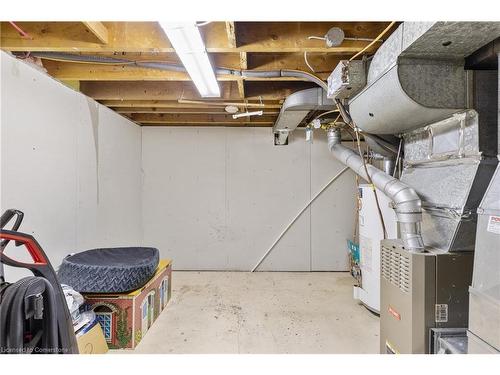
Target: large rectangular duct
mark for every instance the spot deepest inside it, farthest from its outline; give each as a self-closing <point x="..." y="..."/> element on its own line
<point x="444" y="163"/>
<point x="417" y="76"/>
<point x="296" y="107"/>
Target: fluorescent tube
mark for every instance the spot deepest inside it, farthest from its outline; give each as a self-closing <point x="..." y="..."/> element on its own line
<point x="188" y="44"/>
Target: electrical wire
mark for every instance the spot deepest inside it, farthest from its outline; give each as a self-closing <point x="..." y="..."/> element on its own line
<point x="348" y="120"/>
<point x="316" y="37"/>
<point x="201" y="24"/>
<point x="382" y="222"/>
<point x="307" y="62"/>
<point x="174" y="67"/>
<point x="379" y="36"/>
<point x="324" y="114"/>
<point x="359" y="39"/>
<point x="358" y="208"/>
<point x="396" y="164"/>
<point x="21" y="32"/>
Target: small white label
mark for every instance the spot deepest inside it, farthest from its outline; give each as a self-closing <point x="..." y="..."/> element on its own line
<point x="494" y="224"/>
<point x="441" y="313"/>
<point x="365" y="249"/>
<point x="309" y="134"/>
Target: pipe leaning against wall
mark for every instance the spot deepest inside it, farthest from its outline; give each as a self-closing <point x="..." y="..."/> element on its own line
<point x="407" y="204"/>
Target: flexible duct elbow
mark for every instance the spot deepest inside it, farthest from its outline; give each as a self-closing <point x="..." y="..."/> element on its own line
<point x="406" y="202"/>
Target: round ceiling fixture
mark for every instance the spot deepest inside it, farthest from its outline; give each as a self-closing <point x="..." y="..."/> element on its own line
<point x="334" y="37"/>
<point x="231" y="109"/>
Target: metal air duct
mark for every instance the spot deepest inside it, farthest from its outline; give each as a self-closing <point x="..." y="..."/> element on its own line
<point x="417" y="76"/>
<point x="406" y="202"/>
<point x="296" y="107"/>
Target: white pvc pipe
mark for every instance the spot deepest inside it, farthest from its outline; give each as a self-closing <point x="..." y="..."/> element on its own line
<point x="297" y="216"/>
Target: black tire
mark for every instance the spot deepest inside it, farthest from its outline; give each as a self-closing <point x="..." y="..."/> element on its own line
<point x="109" y="270"/>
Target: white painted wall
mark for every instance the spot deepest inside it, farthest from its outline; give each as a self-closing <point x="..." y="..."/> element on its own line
<point x="217" y="198"/>
<point x="71" y="164"/>
<point x="209" y="198"/>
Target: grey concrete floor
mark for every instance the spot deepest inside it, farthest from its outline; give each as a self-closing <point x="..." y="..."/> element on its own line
<point x="263" y="312"/>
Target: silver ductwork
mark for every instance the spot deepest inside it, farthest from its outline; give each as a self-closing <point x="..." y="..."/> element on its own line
<point x="446" y="165"/>
<point x="417" y="76"/>
<point x="296" y="107"/>
<point x="406" y="202"/>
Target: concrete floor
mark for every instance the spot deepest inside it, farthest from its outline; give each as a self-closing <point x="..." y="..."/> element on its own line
<point x="263" y="312"/>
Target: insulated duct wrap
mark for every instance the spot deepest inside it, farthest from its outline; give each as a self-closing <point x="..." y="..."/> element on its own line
<point x="445" y="165"/>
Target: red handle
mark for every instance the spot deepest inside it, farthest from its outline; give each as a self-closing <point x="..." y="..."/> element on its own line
<point x="33" y="247"/>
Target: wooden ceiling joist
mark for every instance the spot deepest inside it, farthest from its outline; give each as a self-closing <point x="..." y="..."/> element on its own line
<point x="148" y="90"/>
<point x="155" y="97"/>
<point x="274" y="90"/>
<point x="98" y="29"/>
<point x="157" y="90"/>
<point x="270" y="37"/>
<point x="145" y="118"/>
<point x="232" y="123"/>
<point x="73" y="71"/>
<point x="204" y="111"/>
<point x="273" y="104"/>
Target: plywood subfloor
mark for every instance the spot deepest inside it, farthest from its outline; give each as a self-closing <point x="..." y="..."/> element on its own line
<point x="264" y="312"/>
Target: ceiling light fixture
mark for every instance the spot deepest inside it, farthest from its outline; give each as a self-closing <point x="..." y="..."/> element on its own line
<point x="231" y="109"/>
<point x="188" y="44"/>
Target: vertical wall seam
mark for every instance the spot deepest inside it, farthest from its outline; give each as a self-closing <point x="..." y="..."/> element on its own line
<point x="226" y="199"/>
<point x="77" y="187"/>
<point x="141" y="191"/>
<point x="310" y="207"/>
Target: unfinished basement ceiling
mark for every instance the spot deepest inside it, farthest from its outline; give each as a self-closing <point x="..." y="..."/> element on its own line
<point x="152" y="97"/>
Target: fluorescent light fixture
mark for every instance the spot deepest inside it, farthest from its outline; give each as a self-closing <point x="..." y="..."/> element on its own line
<point x="186" y="40"/>
<point x="248" y="114"/>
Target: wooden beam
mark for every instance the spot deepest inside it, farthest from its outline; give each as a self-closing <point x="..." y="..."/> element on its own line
<point x="244" y="104"/>
<point x="74" y="37"/>
<point x="232" y="43"/>
<point x="294" y="36"/>
<point x="231" y="124"/>
<point x="71" y="71"/>
<point x="149" y="37"/>
<point x="190" y="111"/>
<point x="75" y="85"/>
<point x="231" y="35"/>
<point x="98" y="29"/>
<point x="323" y="63"/>
<point x="243" y="66"/>
<point x="147" y="90"/>
<point x="225" y="60"/>
<point x="196" y="118"/>
<point x="274" y="90"/>
<point x="100" y="72"/>
<point x="159" y="104"/>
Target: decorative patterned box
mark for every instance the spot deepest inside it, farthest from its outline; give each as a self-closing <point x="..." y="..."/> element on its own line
<point x="125" y="318"/>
